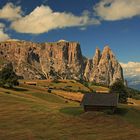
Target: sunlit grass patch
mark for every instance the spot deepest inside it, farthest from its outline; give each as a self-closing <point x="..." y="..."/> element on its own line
<point x="75" y="111"/>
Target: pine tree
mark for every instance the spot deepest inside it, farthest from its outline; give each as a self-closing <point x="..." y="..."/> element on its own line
<point x="118" y="87"/>
<point x="8" y="78"/>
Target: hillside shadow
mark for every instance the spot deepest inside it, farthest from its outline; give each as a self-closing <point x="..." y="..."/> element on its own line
<point x="76" y="111"/>
<point x="121" y="111"/>
<point x="18" y="89"/>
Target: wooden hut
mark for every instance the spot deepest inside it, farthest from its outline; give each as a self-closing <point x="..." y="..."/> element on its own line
<point x="31" y="83"/>
<point x="99" y="101"/>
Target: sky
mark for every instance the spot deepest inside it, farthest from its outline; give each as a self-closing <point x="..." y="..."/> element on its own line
<point x="92" y="23"/>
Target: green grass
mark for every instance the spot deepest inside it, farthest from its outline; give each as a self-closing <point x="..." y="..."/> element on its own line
<point x="30" y="113"/>
<point x="74" y="111"/>
<point x="99" y="88"/>
<point x="48" y="97"/>
<point x="68" y="85"/>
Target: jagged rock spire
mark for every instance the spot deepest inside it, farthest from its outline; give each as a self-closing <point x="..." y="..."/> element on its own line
<point x="97" y="57"/>
<point x="106" y="69"/>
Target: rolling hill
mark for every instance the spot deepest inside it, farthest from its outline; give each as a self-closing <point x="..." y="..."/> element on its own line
<point x="30" y="112"/>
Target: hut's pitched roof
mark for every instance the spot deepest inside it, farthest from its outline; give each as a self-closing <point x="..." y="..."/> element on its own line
<point x="100" y="99"/>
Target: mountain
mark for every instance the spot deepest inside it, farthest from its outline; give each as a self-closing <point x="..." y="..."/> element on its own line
<point x="133" y="82"/>
<point x="60" y="60"/>
<point x="135" y="86"/>
<point x="103" y="68"/>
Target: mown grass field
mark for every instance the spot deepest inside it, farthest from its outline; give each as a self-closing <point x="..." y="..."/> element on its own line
<point x="31" y="113"/>
<point x="67" y="85"/>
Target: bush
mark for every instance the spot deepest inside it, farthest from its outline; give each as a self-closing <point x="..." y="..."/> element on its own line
<point x="8" y="78"/>
<point x="118" y="87"/>
<point x="56" y="81"/>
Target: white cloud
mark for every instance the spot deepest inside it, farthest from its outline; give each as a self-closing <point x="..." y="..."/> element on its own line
<point x="83" y="28"/>
<point x="131" y="68"/>
<point x="45" y="1"/>
<point x="43" y="19"/>
<point x="3" y="35"/>
<point x="117" y="9"/>
<point x="10" y="12"/>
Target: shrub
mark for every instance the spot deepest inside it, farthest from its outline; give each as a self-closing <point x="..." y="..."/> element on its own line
<point x="56" y="81"/>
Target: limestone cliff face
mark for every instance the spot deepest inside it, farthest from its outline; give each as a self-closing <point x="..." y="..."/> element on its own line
<point x="106" y="69"/>
<point x="24" y="57"/>
<point x="61" y="60"/>
<point x="88" y="70"/>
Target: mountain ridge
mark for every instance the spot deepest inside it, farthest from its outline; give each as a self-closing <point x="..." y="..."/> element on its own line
<point x="60" y="60"/>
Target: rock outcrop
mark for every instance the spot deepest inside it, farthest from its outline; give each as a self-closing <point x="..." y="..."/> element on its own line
<point x="105" y="68"/>
<point x="96" y="58"/>
<point x="61" y="60"/>
<point x="88" y="70"/>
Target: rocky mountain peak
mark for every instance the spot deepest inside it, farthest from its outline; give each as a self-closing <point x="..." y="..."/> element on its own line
<point x="61" y="60"/>
<point x="106" y="48"/>
<point x="62" y="40"/>
<point x="106" y="69"/>
<point x="96" y="57"/>
<point x="107" y="53"/>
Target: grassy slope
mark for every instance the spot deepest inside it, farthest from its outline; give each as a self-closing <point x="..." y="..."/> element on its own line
<point x="67" y="85"/>
<point x="30" y="113"/>
<point x="61" y="84"/>
<point x="68" y="89"/>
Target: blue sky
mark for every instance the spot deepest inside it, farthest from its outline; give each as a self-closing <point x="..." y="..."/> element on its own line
<point x="91" y="22"/>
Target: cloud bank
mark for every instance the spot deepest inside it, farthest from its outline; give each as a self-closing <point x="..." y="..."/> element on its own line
<point x="3" y="35"/>
<point x="10" y="12"/>
<point x="131" y="69"/>
<point x="112" y="10"/>
<point x="43" y="19"/>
